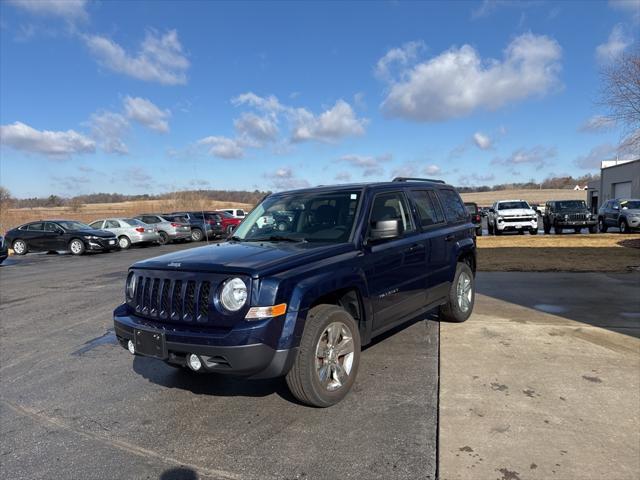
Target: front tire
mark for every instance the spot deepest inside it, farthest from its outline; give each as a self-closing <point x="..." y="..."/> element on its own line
<point x="196" y="235"/>
<point x="593" y="229"/>
<point x="77" y="246"/>
<point x="328" y="357"/>
<point x="124" y="243"/>
<point x="20" y="247"/>
<point x="547" y="228"/>
<point x="577" y="230"/>
<point x="461" y="297"/>
<point x="624" y="226"/>
<point x="533" y="231"/>
<point x="557" y="230"/>
<point x="602" y="226"/>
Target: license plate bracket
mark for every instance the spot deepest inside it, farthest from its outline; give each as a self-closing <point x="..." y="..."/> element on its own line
<point x="150" y="343"/>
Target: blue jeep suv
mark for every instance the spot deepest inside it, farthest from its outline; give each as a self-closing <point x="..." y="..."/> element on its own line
<point x="301" y="300"/>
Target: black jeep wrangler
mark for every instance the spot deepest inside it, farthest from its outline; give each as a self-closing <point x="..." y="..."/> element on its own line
<point x="300" y="299"/>
<point x="572" y="214"/>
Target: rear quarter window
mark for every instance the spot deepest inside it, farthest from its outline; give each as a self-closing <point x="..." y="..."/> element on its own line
<point x="452" y="205"/>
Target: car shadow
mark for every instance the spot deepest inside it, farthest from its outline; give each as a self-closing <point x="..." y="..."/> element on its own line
<point x="213" y="384"/>
<point x="179" y="473"/>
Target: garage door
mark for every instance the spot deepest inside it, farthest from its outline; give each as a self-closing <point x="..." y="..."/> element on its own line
<point x="622" y="190"/>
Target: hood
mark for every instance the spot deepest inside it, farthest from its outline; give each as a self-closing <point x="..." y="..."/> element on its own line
<point x="516" y="212"/>
<point x="95" y="233"/>
<point x="253" y="258"/>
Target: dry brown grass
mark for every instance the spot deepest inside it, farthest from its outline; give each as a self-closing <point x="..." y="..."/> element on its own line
<point x="12" y="217"/>
<point x="486" y="199"/>
<point x="569" y="253"/>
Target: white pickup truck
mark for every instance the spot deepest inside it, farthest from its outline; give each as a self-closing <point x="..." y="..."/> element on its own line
<point x="512" y="216"/>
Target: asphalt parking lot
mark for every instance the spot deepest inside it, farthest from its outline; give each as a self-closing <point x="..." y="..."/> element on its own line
<point x="73" y="404"/>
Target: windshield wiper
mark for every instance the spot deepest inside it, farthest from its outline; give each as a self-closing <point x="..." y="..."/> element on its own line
<point x="278" y="238"/>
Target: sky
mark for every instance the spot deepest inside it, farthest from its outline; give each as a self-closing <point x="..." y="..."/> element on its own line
<point x="149" y="97"/>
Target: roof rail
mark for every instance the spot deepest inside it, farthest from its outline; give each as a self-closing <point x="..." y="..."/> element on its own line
<point x="416" y="179"/>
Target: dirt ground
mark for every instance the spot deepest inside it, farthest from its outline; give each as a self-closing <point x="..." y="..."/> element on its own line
<point x="611" y="252"/>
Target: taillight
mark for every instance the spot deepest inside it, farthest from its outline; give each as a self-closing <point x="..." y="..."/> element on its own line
<point x="477" y="218"/>
<point x="175" y="224"/>
<point x="140" y="229"/>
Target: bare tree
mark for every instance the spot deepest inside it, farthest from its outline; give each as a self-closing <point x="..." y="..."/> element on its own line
<point x="620" y="95"/>
<point x="5" y="198"/>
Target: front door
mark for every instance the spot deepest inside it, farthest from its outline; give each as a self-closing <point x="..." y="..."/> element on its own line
<point x="395" y="267"/>
<point x="53" y="238"/>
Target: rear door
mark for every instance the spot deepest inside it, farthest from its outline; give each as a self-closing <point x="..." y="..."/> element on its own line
<point x="34" y="236"/>
<point x="432" y="224"/>
<point x="395" y="268"/>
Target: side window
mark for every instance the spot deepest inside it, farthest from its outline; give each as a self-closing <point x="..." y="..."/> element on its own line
<point x="111" y="224"/>
<point x="50" y="227"/>
<point x="36" y="226"/>
<point x="429" y="210"/>
<point x="97" y="225"/>
<point x="392" y="206"/>
<point x="150" y="219"/>
<point x="453" y="207"/>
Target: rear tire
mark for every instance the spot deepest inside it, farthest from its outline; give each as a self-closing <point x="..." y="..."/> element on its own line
<point x="533" y="231"/>
<point x="577" y="230"/>
<point x="593" y="229"/>
<point x="322" y="381"/>
<point x="20" y="247"/>
<point x="77" y="246"/>
<point x="478" y="232"/>
<point x="602" y="226"/>
<point x="197" y="235"/>
<point x="124" y="243"/>
<point x="461" y="297"/>
<point x="164" y="238"/>
<point x="547" y="228"/>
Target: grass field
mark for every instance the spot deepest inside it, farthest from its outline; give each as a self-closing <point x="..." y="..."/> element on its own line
<point x="486" y="199"/>
<point x="610" y="252"/>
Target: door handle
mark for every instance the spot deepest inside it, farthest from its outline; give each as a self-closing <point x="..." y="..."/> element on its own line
<point x="450" y="238"/>
<point x="414" y="247"/>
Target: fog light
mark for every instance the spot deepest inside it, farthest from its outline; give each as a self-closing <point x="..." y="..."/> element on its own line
<point x="194" y="362"/>
<point x="131" y="347"/>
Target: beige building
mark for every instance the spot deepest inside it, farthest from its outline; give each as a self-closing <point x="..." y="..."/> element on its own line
<point x="618" y="179"/>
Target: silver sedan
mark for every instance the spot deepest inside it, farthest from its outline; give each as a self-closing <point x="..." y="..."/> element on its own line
<point x="128" y="230"/>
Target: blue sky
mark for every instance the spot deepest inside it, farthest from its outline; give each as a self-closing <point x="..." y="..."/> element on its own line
<point x="148" y="97"/>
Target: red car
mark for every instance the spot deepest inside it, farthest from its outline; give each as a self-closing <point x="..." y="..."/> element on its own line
<point x="229" y="222"/>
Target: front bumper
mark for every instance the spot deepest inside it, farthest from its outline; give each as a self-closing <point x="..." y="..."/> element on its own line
<point x="576" y="223"/>
<point x="633" y="222"/>
<point x="102" y="244"/>
<point x="517" y="226"/>
<point x="254" y="360"/>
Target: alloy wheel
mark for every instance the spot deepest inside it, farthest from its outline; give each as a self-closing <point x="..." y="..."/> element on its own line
<point x="76" y="247"/>
<point x="464" y="291"/>
<point x="334" y="356"/>
<point x="19" y="247"/>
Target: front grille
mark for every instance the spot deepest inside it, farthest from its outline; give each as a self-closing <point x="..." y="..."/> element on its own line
<point x="170" y="299"/>
<point x="578" y="216"/>
<point x="518" y="219"/>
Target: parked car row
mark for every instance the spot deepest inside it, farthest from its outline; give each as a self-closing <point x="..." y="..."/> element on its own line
<point x="108" y="234"/>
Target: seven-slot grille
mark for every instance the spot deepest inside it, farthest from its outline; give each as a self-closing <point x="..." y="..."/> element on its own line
<point x="577" y="216"/>
<point x="169" y="299"/>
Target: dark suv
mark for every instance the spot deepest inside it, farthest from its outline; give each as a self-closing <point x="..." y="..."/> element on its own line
<point x="621" y="213"/>
<point x="301" y="301"/>
<point x="202" y="227"/>
<point x="568" y="214"/>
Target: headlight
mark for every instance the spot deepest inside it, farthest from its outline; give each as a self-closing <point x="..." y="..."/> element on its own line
<point x="130" y="287"/>
<point x="91" y="237"/>
<point x="233" y="295"/>
<point x="500" y="218"/>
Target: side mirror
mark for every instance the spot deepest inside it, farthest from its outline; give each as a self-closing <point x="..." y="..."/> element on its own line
<point x="384" y="230"/>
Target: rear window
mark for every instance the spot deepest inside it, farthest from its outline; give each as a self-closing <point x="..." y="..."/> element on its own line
<point x="453" y="207"/>
<point x="36" y="226"/>
<point x="471" y="208"/>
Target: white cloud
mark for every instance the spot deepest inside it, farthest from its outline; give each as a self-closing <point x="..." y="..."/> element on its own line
<point x="631" y="7"/>
<point x="597" y="123"/>
<point x="285" y="179"/>
<point x="108" y="130"/>
<point x="53" y="144"/>
<point x="476" y="179"/>
<point x="255" y="129"/>
<point x="160" y="58"/>
<point x="536" y="156"/>
<point x="337" y="122"/>
<point x="268" y="104"/>
<point x="369" y="165"/>
<point x="147" y="113"/>
<point x="593" y="159"/>
<point x="482" y="141"/>
<point x="415" y="169"/>
<point x="432" y="170"/>
<point x="397" y="57"/>
<point x="223" y="147"/>
<point x="457" y="82"/>
<point x="614" y="47"/>
<point x="67" y="9"/>
<point x="487" y="7"/>
<point x="343" y="177"/>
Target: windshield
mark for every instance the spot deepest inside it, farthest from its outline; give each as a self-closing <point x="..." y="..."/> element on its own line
<point x="572" y="205"/>
<point x="302" y="217"/>
<point x="630" y="204"/>
<point x="512" y="205"/>
<point x="71" y="225"/>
